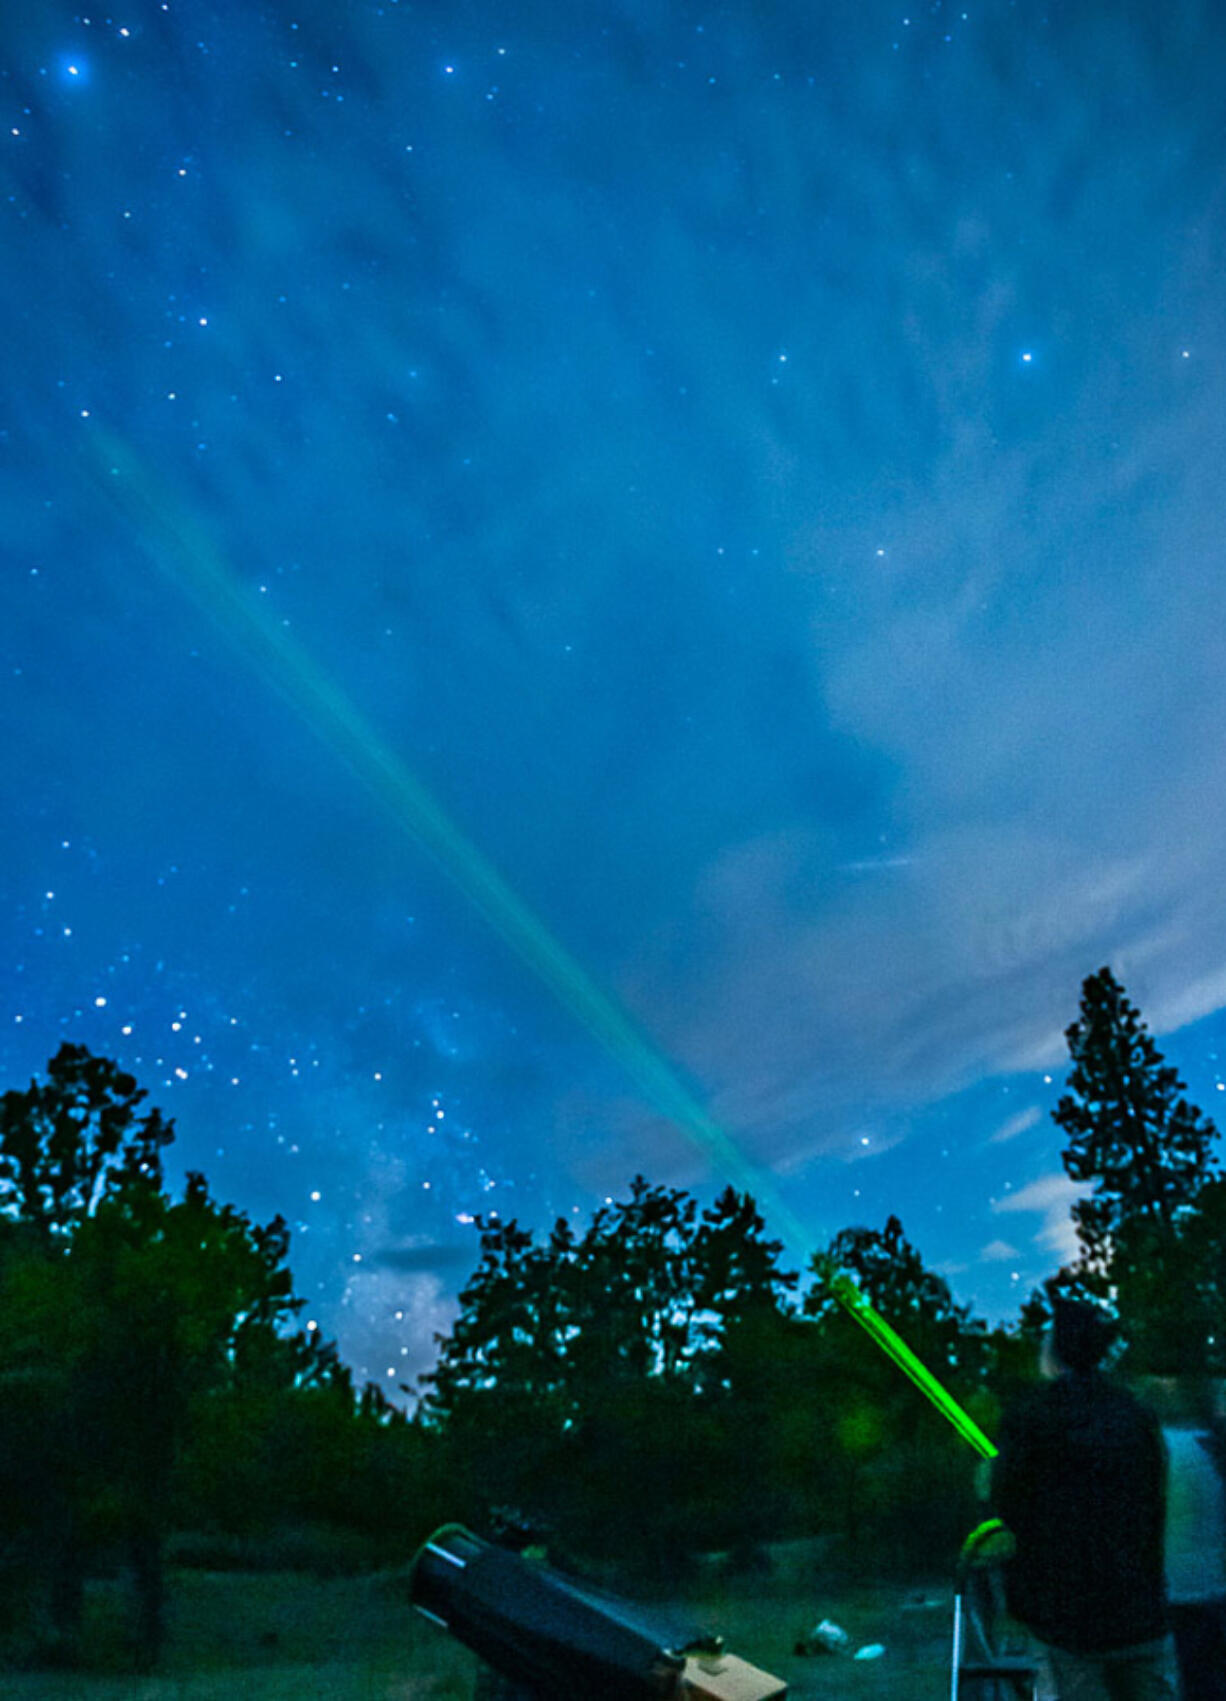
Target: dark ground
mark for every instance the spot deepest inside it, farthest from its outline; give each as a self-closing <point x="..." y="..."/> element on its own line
<point x="287" y="1637"/>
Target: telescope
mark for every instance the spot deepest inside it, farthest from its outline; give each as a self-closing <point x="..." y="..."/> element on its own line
<point x="555" y="1640"/>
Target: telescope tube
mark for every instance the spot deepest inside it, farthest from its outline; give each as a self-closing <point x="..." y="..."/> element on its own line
<point x="535" y="1627"/>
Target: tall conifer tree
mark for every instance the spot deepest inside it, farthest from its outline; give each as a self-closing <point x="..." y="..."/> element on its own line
<point x="1148" y="1151"/>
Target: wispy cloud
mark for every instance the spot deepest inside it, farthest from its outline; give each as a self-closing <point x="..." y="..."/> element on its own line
<point x="1052" y="1198"/>
<point x="997" y="1252"/>
<point x="1015" y="1125"/>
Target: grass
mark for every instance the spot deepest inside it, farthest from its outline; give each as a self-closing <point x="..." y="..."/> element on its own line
<point x="762" y="1623"/>
<point x="287" y="1637"/>
<point x="265" y="1636"/>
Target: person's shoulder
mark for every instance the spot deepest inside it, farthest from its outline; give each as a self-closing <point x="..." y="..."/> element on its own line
<point x="1127" y="1400"/>
<point x="1070" y="1395"/>
<point x="1126" y="1415"/>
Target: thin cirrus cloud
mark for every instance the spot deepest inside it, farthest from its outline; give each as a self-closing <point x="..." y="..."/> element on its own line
<point x="1050" y="1197"/>
<point x="1015" y="1125"/>
<point x="997" y="1252"/>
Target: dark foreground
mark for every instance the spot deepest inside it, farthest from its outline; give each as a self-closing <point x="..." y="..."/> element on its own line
<point x="288" y="1637"/>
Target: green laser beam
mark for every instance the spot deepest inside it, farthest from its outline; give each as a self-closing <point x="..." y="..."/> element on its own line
<point x="856" y="1304"/>
<point x="185" y="554"/>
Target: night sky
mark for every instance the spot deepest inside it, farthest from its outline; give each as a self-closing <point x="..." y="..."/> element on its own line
<point x="750" y="474"/>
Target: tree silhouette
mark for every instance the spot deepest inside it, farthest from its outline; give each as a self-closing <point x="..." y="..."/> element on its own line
<point x="678" y="1305"/>
<point x="1130" y="1131"/>
<point x="740" y="1289"/>
<point x="120" y="1310"/>
<point x="918" y="1303"/>
<point x="1146" y="1234"/>
<point x="71" y="1141"/>
<point x="883" y="1455"/>
<point x="512" y="1327"/>
<point x="583" y="1360"/>
<point x="648" y="1290"/>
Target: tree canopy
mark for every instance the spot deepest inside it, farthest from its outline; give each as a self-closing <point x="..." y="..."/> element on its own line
<point x="1130" y="1130"/>
<point x="650" y="1383"/>
<point x="650" y="1289"/>
<point x="70" y="1142"/>
<point x="120" y="1311"/>
<point x="1151" y="1231"/>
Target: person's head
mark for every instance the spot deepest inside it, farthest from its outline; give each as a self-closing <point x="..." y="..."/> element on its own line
<point x="1078" y="1338"/>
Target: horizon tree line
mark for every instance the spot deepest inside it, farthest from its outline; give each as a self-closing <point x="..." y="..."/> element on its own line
<point x="153" y="1377"/>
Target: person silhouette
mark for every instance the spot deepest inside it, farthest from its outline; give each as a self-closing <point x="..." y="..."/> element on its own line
<point x="1080" y="1480"/>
